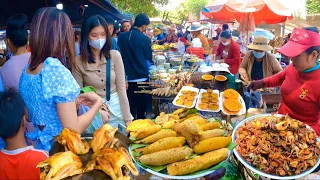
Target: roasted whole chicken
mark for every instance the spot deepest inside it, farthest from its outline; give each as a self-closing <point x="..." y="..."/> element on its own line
<point x="60" y="166"/>
<point x="72" y="141"/>
<point x="103" y="137"/>
<point x="116" y="163"/>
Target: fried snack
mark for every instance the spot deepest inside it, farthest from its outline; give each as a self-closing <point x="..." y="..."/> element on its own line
<point x="207" y="77"/>
<point x="198" y="163"/>
<point x="193" y="93"/>
<point x="162" y="118"/>
<point x="232" y="105"/>
<point x="210" y="125"/>
<point x="203" y="106"/>
<point x="213" y="106"/>
<point x="184" y="92"/>
<point x="179" y="111"/>
<point x="211" y="144"/>
<point x="164" y="144"/>
<point x="139" y="123"/>
<point x="190" y="98"/>
<point x="169" y="124"/>
<point x="205" y="95"/>
<point x="180" y="102"/>
<point x="214" y="100"/>
<point x="190" y="130"/>
<point x="188" y="103"/>
<point x="220" y="78"/>
<point x="212" y="133"/>
<point x="214" y="95"/>
<point x="145" y="132"/>
<point x="166" y="156"/>
<point x="209" y="90"/>
<point x="204" y="100"/>
<point x="163" y="133"/>
<point x="187" y="117"/>
<point x="230" y="94"/>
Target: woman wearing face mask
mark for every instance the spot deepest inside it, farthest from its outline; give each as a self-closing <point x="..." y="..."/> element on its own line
<point x="92" y="69"/>
<point x="299" y="81"/>
<point x="47" y="87"/>
<point x="228" y="52"/>
<point x="258" y="63"/>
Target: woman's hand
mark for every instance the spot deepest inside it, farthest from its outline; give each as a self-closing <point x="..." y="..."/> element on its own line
<point x="89" y="99"/>
<point x="254" y="85"/>
<point x="244" y="77"/>
<point x="128" y="122"/>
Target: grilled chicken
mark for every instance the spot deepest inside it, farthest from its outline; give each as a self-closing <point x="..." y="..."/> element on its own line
<point x="72" y="141"/>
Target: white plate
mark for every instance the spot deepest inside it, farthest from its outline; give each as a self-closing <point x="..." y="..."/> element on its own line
<point x="241" y="112"/>
<point x="199" y="100"/>
<point x="245" y="163"/>
<point x="188" y="88"/>
<point x="224" y="65"/>
<point x="166" y="176"/>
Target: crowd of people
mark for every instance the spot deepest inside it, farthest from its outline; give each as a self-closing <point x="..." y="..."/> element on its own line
<point x="100" y="67"/>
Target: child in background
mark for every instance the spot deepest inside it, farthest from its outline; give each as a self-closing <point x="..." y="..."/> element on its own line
<point x="18" y="161"/>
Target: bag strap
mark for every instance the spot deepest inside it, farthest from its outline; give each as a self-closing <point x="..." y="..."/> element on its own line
<point x="108" y="79"/>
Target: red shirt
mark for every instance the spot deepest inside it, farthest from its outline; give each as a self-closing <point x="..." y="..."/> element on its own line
<point x="300" y="95"/>
<point x="233" y="58"/>
<point x="21" y="163"/>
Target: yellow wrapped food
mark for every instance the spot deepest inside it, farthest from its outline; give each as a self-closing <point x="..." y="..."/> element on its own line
<point x="179" y="111"/>
<point x="145" y="132"/>
<point x="187" y="117"/>
<point x="212" y="133"/>
<point x="198" y="119"/>
<point x="139" y="124"/>
<point x="211" y="144"/>
<point x="163" y="133"/>
<point x="166" y="156"/>
<point x="210" y="125"/>
<point x="164" y="144"/>
<point x="198" y="163"/>
<point x="169" y="124"/>
<point x="163" y="118"/>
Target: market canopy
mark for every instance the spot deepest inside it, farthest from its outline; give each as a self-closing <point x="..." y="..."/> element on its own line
<point x="268" y="11"/>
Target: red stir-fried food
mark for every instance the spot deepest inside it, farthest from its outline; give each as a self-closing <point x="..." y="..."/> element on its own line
<point x="278" y="145"/>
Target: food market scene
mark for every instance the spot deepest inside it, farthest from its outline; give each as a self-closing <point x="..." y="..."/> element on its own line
<point x="159" y="89"/>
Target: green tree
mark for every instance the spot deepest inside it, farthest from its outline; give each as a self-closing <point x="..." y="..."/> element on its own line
<point x="313" y="6"/>
<point x="195" y="7"/>
<point x="150" y="7"/>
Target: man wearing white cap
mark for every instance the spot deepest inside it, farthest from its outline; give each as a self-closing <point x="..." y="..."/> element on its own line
<point x="195" y="31"/>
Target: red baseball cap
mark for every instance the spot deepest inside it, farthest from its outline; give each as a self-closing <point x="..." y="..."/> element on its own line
<point x="300" y="41"/>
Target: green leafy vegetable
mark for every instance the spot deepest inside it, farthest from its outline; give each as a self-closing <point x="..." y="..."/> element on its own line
<point x="135" y="154"/>
<point x="192" y="111"/>
<point x="154" y="168"/>
<point x="136" y="146"/>
<point x="232" y="172"/>
<point x="231" y="146"/>
<point x="132" y="139"/>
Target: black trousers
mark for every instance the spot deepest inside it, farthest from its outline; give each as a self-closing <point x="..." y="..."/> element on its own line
<point x="140" y="104"/>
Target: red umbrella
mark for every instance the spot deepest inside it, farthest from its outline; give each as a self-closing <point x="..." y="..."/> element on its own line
<point x="268" y="11"/>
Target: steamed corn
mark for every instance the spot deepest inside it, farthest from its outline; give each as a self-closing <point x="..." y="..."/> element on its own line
<point x="210" y="125"/>
<point x="212" y="133"/>
<point x="166" y="156"/>
<point x="198" y="163"/>
<point x="145" y="132"/>
<point x="164" y="144"/>
<point x="211" y="144"/>
<point x="157" y="136"/>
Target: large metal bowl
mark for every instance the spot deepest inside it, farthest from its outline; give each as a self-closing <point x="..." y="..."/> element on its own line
<point x="249" y="166"/>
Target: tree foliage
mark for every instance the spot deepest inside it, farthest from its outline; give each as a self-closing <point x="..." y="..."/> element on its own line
<point x="149" y="7"/>
<point x="313" y="6"/>
<point x="195" y="7"/>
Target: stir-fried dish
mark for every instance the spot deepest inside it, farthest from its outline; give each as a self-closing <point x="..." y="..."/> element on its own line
<point x="278" y="145"/>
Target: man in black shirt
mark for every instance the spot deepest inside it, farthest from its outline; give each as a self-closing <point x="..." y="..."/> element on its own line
<point x="135" y="49"/>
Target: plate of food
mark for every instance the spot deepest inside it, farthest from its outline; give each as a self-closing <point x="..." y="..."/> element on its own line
<point x="187" y="97"/>
<point x="220" y="78"/>
<point x="276" y="146"/>
<point x="208" y="100"/>
<point x="232" y="103"/>
<point x="191" y="147"/>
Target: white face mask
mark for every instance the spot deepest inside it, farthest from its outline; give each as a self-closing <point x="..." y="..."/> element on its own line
<point x="98" y="43"/>
<point x="226" y="43"/>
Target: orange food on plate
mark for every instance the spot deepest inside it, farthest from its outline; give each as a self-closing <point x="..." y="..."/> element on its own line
<point x="190" y="98"/>
<point x="214" y="95"/>
<point x="188" y="103"/>
<point x="214" y="100"/>
<point x="207" y="77"/>
<point x="180" y="101"/>
<point x="193" y="93"/>
<point x="182" y="97"/>
<point x="205" y="95"/>
<point x="232" y="105"/>
<point x="204" y="100"/>
<point x="184" y="92"/>
<point x="209" y="91"/>
<point x="203" y="106"/>
<point x="231" y="94"/>
<point x="213" y="107"/>
<point x="220" y="78"/>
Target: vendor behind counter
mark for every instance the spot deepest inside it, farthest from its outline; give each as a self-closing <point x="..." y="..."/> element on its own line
<point x="195" y="31"/>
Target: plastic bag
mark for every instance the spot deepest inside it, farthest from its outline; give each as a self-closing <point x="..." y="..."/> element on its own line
<point x="181" y="47"/>
<point x="96" y="122"/>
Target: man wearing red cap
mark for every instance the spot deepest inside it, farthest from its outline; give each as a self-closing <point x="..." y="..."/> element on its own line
<point x="299" y="81"/>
